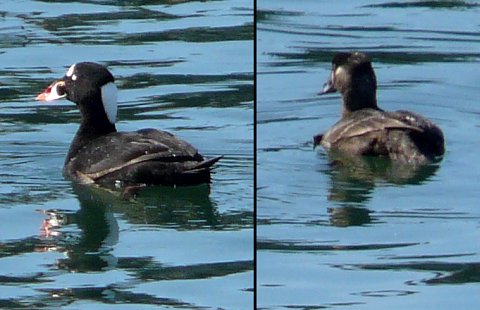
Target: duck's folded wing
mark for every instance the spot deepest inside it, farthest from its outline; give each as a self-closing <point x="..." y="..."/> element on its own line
<point x="358" y="126"/>
<point x="118" y="150"/>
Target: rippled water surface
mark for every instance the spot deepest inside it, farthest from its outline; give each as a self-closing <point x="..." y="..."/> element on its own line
<point x="368" y="237"/>
<point x="181" y="66"/>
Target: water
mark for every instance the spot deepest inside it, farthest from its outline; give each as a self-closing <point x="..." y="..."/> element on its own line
<point x="181" y="66"/>
<point x="370" y="237"/>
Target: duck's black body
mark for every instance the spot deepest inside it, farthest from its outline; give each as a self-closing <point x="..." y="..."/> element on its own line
<point x="147" y="156"/>
<point x="364" y="129"/>
<point x="100" y="154"/>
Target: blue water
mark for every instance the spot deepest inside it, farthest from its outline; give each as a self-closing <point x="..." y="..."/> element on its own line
<point x="363" y="237"/>
<point x="327" y="236"/>
<point x="181" y="66"/>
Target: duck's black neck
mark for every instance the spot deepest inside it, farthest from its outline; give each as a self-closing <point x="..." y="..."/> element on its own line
<point x="357" y="99"/>
<point x="90" y="129"/>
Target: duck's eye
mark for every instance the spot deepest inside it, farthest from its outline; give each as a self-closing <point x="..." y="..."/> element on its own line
<point x="61" y="89"/>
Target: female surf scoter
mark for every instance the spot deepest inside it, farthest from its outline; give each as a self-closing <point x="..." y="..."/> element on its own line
<point x="99" y="154"/>
<point x="365" y="129"/>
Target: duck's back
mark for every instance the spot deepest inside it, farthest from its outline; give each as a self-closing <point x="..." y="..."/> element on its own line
<point x="401" y="135"/>
<point x="146" y="156"/>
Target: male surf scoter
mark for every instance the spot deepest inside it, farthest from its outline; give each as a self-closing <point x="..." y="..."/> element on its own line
<point x="365" y="129"/>
<point x="99" y="154"/>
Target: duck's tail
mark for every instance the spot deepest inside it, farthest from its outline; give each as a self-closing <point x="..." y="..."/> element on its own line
<point x="200" y="172"/>
<point x="203" y="166"/>
<point x="208" y="163"/>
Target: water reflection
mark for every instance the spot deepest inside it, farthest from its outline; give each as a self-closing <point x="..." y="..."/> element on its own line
<point x="336" y="215"/>
<point x="183" y="66"/>
<point x="354" y="178"/>
<point x="286" y="245"/>
<point x="90" y="249"/>
<point x="87" y="239"/>
<point x="315" y="55"/>
<point x="426" y="4"/>
<point x="183" y="208"/>
<point x="441" y="272"/>
<point x="349" y="216"/>
<point x="83" y="28"/>
<point x="103" y="294"/>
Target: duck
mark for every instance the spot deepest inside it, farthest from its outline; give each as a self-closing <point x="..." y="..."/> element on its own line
<point x="99" y="154"/>
<point x="365" y="129"/>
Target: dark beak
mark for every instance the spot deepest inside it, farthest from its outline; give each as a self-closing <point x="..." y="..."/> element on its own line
<point x="328" y="87"/>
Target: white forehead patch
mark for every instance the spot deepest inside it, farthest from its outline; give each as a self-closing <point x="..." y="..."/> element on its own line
<point x="70" y="70"/>
<point x="109" y="100"/>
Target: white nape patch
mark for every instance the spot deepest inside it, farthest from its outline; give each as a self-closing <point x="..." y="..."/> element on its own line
<point x="70" y="70"/>
<point x="109" y="100"/>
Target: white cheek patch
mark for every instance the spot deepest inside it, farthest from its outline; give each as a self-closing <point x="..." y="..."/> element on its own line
<point x="339" y="71"/>
<point x="109" y="100"/>
<point x="70" y="70"/>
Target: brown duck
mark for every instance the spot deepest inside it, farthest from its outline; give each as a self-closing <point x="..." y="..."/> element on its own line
<point x="365" y="129"/>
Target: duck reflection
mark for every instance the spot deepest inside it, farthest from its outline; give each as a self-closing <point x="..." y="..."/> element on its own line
<point x="349" y="216"/>
<point x="90" y="250"/>
<point x="87" y="238"/>
<point x="354" y="178"/>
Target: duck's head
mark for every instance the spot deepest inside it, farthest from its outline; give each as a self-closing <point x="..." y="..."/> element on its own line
<point x="91" y="87"/>
<point x="352" y="75"/>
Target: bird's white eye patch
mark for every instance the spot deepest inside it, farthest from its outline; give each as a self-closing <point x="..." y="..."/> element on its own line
<point x="74" y="77"/>
<point x="109" y="100"/>
<point x="70" y="71"/>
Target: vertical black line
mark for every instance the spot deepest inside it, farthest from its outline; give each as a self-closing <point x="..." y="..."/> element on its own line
<point x="255" y="271"/>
